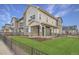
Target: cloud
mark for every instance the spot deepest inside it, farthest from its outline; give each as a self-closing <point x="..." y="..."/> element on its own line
<point x="50" y="8"/>
<point x="64" y="10"/>
<point x="5" y="13"/>
<point x="64" y="6"/>
<point x="5" y="16"/>
<point x="62" y="13"/>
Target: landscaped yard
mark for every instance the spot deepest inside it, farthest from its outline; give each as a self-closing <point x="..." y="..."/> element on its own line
<point x="65" y="45"/>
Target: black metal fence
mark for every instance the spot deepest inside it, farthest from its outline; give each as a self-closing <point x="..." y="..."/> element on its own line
<point x="20" y="49"/>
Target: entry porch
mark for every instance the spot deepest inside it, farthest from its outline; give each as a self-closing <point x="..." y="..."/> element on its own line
<point x="42" y="30"/>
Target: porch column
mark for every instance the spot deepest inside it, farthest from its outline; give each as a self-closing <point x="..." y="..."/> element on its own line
<point x="40" y="30"/>
<point x="52" y="30"/>
<point x="29" y="31"/>
<point x="44" y="30"/>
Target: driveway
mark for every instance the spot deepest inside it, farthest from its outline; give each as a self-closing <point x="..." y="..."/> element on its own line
<point x="4" y="50"/>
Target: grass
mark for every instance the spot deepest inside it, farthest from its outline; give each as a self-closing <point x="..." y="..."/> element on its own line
<point x="32" y="43"/>
<point x="60" y="46"/>
<point x="64" y="45"/>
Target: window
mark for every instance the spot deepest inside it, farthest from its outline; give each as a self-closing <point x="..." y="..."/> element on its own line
<point x="32" y="17"/>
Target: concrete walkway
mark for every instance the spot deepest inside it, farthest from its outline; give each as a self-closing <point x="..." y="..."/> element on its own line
<point x="4" y="50"/>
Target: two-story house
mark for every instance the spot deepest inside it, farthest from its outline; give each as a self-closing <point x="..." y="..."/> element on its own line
<point x="6" y="29"/>
<point x="39" y="22"/>
<point x="14" y="25"/>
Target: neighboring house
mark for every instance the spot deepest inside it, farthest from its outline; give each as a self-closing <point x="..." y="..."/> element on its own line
<point x="7" y="29"/>
<point x="39" y="22"/>
<point x="21" y="25"/>
<point x="70" y="30"/>
<point x="14" y="25"/>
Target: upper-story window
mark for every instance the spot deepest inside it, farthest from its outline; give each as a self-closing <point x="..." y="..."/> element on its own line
<point x="32" y="17"/>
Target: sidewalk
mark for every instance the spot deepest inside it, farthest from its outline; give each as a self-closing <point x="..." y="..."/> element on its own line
<point x="4" y="50"/>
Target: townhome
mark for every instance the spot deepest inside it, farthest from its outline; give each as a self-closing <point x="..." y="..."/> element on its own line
<point x="14" y="25"/>
<point x="70" y="30"/>
<point x="7" y="29"/>
<point x="39" y="22"/>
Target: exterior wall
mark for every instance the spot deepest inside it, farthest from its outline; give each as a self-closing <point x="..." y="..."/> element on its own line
<point x="46" y="19"/>
<point x="25" y="24"/>
<point x="30" y="12"/>
<point x="21" y="25"/>
<point x="59" y="26"/>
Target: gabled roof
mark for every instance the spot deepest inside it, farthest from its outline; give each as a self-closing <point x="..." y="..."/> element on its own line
<point x="59" y="18"/>
<point x="40" y="9"/>
<point x="21" y="19"/>
<point x="15" y="18"/>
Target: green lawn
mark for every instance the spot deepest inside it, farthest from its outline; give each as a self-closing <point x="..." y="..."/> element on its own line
<point x="66" y="45"/>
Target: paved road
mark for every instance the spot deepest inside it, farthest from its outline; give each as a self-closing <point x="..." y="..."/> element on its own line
<point x="4" y="50"/>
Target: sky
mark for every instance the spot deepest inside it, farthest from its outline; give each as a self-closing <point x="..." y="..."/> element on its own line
<point x="68" y="12"/>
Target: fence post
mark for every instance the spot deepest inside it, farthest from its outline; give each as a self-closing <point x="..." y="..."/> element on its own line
<point x="31" y="51"/>
<point x="11" y="43"/>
